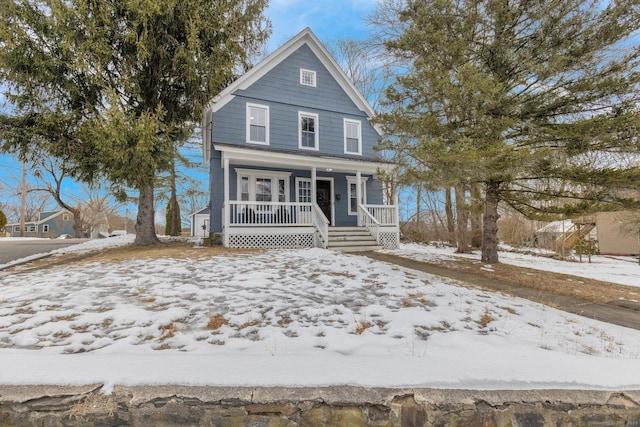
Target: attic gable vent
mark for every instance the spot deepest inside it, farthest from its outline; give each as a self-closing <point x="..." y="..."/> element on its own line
<point x="307" y="77"/>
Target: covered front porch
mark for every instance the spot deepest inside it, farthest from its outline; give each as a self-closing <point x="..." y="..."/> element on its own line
<point x="274" y="199"/>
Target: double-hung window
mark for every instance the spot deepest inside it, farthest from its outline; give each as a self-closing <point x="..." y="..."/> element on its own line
<point x="352" y="137"/>
<point x="257" y="124"/>
<point x="308" y="131"/>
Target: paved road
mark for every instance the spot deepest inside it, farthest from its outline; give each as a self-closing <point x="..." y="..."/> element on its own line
<point x="14" y="249"/>
<point x="623" y="313"/>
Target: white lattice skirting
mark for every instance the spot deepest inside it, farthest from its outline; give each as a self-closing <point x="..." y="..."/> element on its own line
<point x="389" y="240"/>
<point x="272" y="241"/>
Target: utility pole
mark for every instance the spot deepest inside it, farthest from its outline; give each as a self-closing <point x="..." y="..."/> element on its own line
<point x="23" y="199"/>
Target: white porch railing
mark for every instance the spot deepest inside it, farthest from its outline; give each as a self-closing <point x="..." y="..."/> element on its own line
<point x="366" y="219"/>
<point x="244" y="218"/>
<point x="382" y="223"/>
<point x="321" y="223"/>
<point x="383" y="214"/>
<point x="280" y="214"/>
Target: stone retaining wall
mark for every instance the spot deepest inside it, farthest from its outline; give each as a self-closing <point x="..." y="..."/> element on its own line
<point x="329" y="406"/>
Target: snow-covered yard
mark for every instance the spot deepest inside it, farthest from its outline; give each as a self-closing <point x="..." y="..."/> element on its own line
<point x="295" y="318"/>
<point x="622" y="270"/>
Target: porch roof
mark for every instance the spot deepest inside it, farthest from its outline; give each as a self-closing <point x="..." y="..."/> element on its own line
<point x="268" y="156"/>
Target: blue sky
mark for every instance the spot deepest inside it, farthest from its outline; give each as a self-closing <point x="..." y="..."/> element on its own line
<point x="329" y="20"/>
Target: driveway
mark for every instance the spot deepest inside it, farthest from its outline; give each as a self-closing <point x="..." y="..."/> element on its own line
<point x="11" y="250"/>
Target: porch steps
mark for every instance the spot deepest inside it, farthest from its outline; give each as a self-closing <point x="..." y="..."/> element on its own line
<point x="351" y="239"/>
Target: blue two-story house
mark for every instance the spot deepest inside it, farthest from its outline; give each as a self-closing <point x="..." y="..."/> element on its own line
<point x="292" y="164"/>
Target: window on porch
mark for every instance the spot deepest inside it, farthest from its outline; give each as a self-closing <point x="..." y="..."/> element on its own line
<point x="263" y="186"/>
<point x="353" y="205"/>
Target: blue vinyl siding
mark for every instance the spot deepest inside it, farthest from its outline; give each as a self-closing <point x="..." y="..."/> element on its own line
<point x="281" y="91"/>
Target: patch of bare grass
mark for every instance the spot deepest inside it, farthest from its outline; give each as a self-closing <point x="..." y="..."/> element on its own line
<point x="93" y="403"/>
<point x="250" y="323"/>
<point x="216" y="322"/>
<point x="362" y="325"/>
<point x="168" y="331"/>
<point x="485" y="319"/>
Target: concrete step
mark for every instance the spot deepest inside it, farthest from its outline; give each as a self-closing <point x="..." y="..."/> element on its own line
<point x="356" y="248"/>
<point x="347" y="229"/>
<point x="349" y="235"/>
<point x="363" y="242"/>
<point x="351" y="239"/>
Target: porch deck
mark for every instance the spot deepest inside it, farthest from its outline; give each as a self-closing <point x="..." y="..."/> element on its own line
<point x="250" y="224"/>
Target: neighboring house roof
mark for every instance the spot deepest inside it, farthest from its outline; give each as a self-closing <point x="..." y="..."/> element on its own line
<point x="199" y="211"/>
<point x="307" y="37"/>
<point x="48" y="216"/>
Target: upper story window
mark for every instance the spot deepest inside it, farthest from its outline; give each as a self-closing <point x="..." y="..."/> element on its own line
<point x="352" y="137"/>
<point x="258" y="124"/>
<point x="65" y="217"/>
<point x="307" y="77"/>
<point x="308" y="131"/>
<point x="45" y="228"/>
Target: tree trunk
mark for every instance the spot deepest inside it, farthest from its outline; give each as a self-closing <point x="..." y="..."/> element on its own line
<point x="176" y="223"/>
<point x="476" y="217"/>
<point x="462" y="217"/>
<point x="145" y="222"/>
<point x="448" y="208"/>
<point x="418" y="200"/>
<point x="490" y="223"/>
<point x="78" y="222"/>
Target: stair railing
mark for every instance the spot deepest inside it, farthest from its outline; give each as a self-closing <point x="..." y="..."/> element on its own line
<point x="369" y="221"/>
<point x="321" y="224"/>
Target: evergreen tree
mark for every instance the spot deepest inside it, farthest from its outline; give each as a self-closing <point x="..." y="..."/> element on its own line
<point x="3" y="220"/>
<point x="108" y="86"/>
<point x="514" y="96"/>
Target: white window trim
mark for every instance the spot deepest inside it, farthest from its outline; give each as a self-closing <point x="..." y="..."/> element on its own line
<point x="252" y="174"/>
<point x="352" y="180"/>
<point x="298" y="181"/>
<point x="65" y="217"/>
<point x="356" y="122"/>
<point x="248" y="123"/>
<point x="313" y="73"/>
<point x="317" y="133"/>
<point x="45" y="228"/>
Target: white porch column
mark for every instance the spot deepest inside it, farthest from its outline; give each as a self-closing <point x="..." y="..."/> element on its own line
<point x="358" y="196"/>
<point x="397" y="203"/>
<point x="226" y="211"/>
<point x="314" y="199"/>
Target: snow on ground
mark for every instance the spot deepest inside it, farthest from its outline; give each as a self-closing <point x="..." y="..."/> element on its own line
<point x="294" y="318"/>
<point x="622" y="270"/>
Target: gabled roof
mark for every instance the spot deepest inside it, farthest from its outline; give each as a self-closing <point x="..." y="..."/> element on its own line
<point x="307" y="37"/>
<point x="50" y="216"/>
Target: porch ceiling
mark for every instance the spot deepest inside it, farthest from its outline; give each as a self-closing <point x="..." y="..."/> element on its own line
<point x="268" y="157"/>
